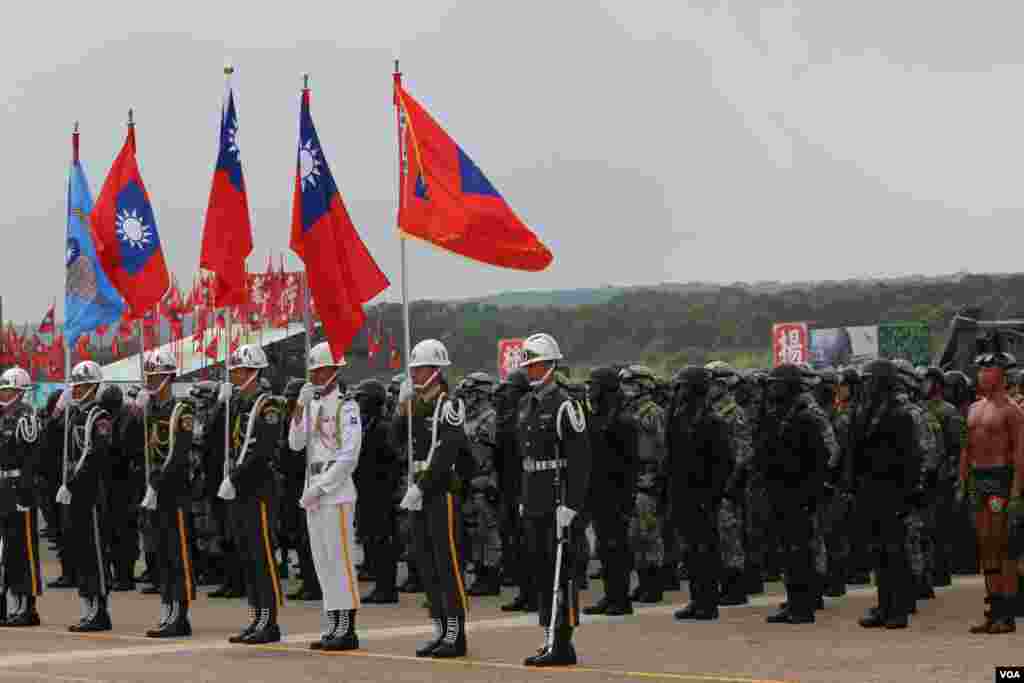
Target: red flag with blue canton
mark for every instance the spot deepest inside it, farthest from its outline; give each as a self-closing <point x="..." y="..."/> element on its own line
<point x="448" y="201"/>
<point x="124" y="230"/>
<point x="341" y="272"/>
<point x="227" y="234"/>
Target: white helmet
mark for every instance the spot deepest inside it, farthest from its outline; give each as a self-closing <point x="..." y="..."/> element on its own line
<point x="320" y="356"/>
<point x="86" y="372"/>
<point x="429" y="353"/>
<point x="249" y="356"/>
<point x="15" y="378"/>
<point x="159" y="362"/>
<point x="539" y="348"/>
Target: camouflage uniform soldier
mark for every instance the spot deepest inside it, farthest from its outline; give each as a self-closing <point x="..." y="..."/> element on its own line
<point x="762" y="560"/>
<point x="731" y="515"/>
<point x="848" y="401"/>
<point x="836" y="504"/>
<point x="480" y="509"/>
<point x="647" y="418"/>
<point x="954" y="439"/>
<point x="919" y="546"/>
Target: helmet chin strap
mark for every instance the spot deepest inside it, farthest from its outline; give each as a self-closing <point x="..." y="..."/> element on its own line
<point x="537" y="383"/>
<point x="80" y="401"/>
<point x="248" y="382"/>
<point x="16" y="399"/>
<point x="430" y="380"/>
<point x="323" y="388"/>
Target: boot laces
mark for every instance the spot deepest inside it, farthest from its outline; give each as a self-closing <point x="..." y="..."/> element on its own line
<point x="165" y="613"/>
<point x="264" y="619"/>
<point x="344" y="623"/>
<point x="333" y="617"/>
<point x="452" y="631"/>
<point x="438" y="629"/>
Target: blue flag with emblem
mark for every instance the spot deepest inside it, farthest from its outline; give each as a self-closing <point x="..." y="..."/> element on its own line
<point x="90" y="299"/>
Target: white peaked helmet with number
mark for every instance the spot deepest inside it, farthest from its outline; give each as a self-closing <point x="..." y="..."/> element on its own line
<point x="159" y="362"/>
<point x="539" y="348"/>
<point x="429" y="353"/>
<point x="86" y="372"/>
<point x="15" y="378"/>
<point x="249" y="356"/>
<point x="320" y="356"/>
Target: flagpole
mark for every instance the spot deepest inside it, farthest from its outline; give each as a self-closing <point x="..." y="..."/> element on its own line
<point x="228" y="70"/>
<point x="67" y="347"/>
<point x="397" y="75"/>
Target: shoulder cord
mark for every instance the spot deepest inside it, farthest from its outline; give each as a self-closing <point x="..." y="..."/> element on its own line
<point x="445" y="409"/>
<point x="576" y="417"/>
<point x="317" y="429"/>
<point x="251" y="426"/>
<point x="94" y="415"/>
<point x="28" y="428"/>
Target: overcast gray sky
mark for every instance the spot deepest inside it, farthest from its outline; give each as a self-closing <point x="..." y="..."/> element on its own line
<point x="643" y="141"/>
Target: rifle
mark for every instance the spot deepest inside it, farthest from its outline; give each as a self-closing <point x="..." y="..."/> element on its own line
<point x="563" y="543"/>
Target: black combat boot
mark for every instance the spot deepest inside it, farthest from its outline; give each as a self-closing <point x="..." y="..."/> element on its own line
<point x="26" y="614"/>
<point x="176" y="625"/>
<point x="487" y="582"/>
<point x="561" y="652"/>
<point x="344" y="637"/>
<point x="835" y="584"/>
<point x="733" y="591"/>
<point x="254" y="616"/>
<point x="333" y="621"/>
<point x="753" y="581"/>
<point x="97" y="620"/>
<point x="521" y="603"/>
<point x="267" y="630"/>
<point x="427" y="648"/>
<point x="651" y="586"/>
<point x="703" y="605"/>
<point x="454" y="642"/>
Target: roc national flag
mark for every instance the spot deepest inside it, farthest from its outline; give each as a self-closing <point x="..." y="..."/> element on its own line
<point x="448" y="201"/>
<point x="227" y="233"/>
<point x="127" y="240"/>
<point x="341" y="272"/>
<point x="90" y="300"/>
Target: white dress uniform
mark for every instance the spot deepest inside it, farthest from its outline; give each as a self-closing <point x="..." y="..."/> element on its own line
<point x="333" y="456"/>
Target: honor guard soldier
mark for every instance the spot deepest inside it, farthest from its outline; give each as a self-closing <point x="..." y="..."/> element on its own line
<point x="438" y="444"/>
<point x="19" y="522"/>
<point x="166" y="438"/>
<point x="85" y="469"/>
<point x="327" y="425"/>
<point x="250" y="487"/>
<point x="556" y="474"/>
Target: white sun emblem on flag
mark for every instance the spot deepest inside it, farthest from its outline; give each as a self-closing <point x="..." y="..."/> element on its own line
<point x="132" y="229"/>
<point x="233" y="140"/>
<point x="309" y="164"/>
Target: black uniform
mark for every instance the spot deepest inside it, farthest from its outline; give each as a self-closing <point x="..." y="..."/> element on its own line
<point x="700" y="464"/>
<point x="887" y="467"/>
<point x="19" y="514"/>
<point x="551" y="443"/>
<point x="127" y="487"/>
<point x="375" y="479"/>
<point x="169" y="428"/>
<point x="508" y="463"/>
<point x="252" y="511"/>
<point x="794" y="465"/>
<point x="610" y="500"/>
<point x="88" y="471"/>
<point x="437" y="528"/>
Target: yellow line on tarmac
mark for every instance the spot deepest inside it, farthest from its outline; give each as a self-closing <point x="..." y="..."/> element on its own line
<point x="490" y="664"/>
<point x="101" y="635"/>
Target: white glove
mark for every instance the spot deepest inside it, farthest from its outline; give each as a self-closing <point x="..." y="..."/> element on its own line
<point x="405" y="391"/>
<point x="413" y="499"/>
<point x="226" y="490"/>
<point x="306" y="394"/>
<point x="310" y="499"/>
<point x="149" y="500"/>
<point x="564" y="516"/>
<point x="143" y="399"/>
<point x="21" y="508"/>
<point x="226" y="389"/>
<point x="64" y="495"/>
